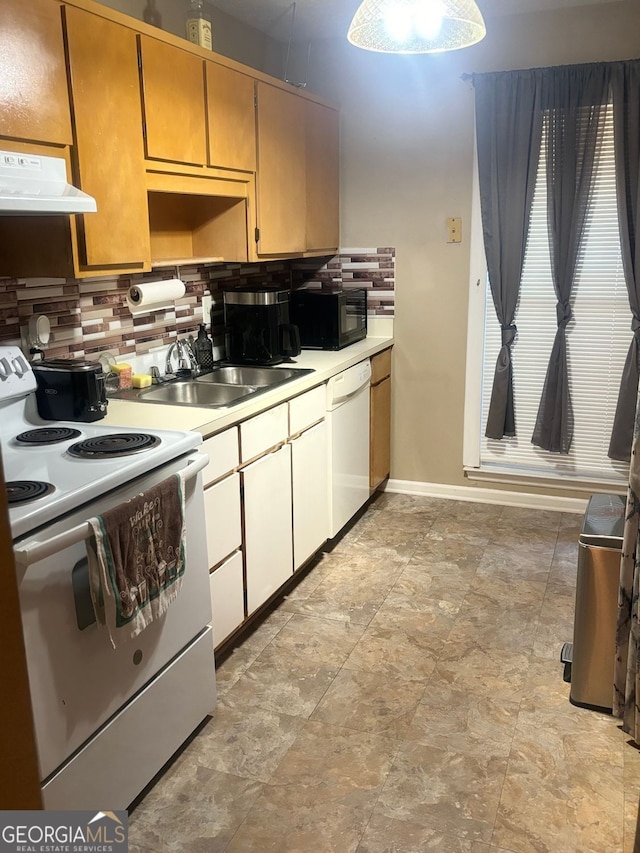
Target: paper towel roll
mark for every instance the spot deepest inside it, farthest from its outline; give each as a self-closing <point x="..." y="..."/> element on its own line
<point x="153" y="295"/>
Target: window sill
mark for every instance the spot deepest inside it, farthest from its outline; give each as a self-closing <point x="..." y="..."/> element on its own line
<point x="529" y="477"/>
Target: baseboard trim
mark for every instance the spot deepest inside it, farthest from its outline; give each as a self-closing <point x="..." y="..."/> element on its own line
<point x="489" y="496"/>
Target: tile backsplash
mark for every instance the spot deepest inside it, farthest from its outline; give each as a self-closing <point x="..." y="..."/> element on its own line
<point x="90" y="316"/>
<point x="374" y="269"/>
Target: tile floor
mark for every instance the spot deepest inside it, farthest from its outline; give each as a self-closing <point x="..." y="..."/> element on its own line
<point x="407" y="696"/>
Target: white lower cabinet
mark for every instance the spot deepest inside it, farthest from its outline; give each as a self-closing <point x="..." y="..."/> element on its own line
<point x="310" y="479"/>
<point x="224" y="455"/>
<point x="276" y="508"/>
<point x="223" y="519"/>
<point x="266" y="485"/>
<point x="222" y="513"/>
<point x="264" y="431"/>
<point x="227" y="598"/>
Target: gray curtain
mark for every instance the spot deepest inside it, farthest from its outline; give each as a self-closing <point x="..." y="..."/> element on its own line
<point x="626" y="117"/>
<point x="575" y="100"/>
<point x="509" y="131"/>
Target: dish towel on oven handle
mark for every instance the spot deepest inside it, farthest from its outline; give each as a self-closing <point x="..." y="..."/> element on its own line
<point x="137" y="559"/>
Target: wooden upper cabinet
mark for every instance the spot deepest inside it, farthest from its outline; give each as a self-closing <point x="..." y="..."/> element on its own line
<point x="230" y="118"/>
<point x="281" y="175"/>
<point x="174" y="103"/>
<point x="322" y="163"/>
<point x="103" y="71"/>
<point x="34" y="103"/>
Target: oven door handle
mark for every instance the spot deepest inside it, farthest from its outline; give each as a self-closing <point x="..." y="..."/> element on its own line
<point x="36" y="551"/>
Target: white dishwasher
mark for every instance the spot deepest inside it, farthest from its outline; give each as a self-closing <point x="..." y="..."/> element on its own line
<point x="348" y="422"/>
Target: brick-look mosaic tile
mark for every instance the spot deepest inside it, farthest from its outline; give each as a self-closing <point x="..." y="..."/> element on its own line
<point x="359" y="267"/>
<point x="91" y="316"/>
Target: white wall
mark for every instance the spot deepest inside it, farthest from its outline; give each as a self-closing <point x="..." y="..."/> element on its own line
<point x="406" y="161"/>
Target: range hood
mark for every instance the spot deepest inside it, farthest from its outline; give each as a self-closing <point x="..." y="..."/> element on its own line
<point x="30" y="183"/>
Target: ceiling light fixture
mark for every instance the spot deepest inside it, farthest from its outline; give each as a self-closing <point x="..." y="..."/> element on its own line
<point x="416" y="26"/>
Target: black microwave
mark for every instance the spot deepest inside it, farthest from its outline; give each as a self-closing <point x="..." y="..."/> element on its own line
<point x="329" y="319"/>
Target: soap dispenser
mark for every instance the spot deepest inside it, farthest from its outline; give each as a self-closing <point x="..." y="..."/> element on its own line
<point x="204" y="350"/>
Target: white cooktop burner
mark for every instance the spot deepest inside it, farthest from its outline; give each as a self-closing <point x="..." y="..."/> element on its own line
<point x="76" y="481"/>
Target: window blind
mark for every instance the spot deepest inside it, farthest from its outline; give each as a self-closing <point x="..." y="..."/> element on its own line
<point x="598" y="338"/>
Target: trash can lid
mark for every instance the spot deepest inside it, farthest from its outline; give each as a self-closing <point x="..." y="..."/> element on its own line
<point x="603" y="522"/>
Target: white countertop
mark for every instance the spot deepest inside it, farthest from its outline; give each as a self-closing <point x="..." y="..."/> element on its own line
<point x="207" y="420"/>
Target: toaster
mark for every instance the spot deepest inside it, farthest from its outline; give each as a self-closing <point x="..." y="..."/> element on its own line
<point x="70" y="389"/>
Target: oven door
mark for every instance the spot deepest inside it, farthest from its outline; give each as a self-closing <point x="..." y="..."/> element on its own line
<point x="78" y="680"/>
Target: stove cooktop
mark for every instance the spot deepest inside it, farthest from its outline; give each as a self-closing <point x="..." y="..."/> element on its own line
<point x="77" y="480"/>
<point x="38" y="451"/>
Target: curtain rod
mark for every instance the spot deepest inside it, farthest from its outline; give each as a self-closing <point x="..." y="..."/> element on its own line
<point x="466" y="76"/>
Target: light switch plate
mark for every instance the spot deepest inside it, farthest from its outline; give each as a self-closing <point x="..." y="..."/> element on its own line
<point x="454" y="230"/>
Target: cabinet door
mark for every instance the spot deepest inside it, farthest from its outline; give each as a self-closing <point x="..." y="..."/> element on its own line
<point x="310" y="478"/>
<point x="230" y="118"/>
<point x="174" y="104"/>
<point x="222" y="513"/>
<point x="281" y="171"/>
<point x="103" y="69"/>
<point x="267" y="525"/>
<point x="322" y="160"/>
<point x="227" y="598"/>
<point x="380" y="442"/>
<point x="34" y="102"/>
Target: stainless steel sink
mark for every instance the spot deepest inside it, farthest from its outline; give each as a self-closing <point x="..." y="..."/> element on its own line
<point x="238" y="374"/>
<point x="224" y="386"/>
<point x="195" y="394"/>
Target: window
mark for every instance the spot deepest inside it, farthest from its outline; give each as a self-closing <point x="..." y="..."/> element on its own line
<point x="598" y="340"/>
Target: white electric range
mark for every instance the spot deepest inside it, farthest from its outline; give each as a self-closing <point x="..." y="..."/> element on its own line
<point x="106" y="719"/>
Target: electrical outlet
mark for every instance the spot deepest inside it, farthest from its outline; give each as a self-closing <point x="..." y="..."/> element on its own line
<point x="207" y="302"/>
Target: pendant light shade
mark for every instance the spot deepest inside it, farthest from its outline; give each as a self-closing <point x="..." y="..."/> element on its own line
<point x="416" y="26"/>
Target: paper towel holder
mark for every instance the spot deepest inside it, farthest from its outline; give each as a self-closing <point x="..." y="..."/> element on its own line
<point x="141" y="298"/>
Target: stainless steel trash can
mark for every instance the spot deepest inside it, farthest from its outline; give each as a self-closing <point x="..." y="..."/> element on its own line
<point x="594" y="625"/>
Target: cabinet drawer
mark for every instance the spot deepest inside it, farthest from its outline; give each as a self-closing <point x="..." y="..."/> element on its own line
<point x="306" y="410"/>
<point x="380" y="366"/>
<point x="259" y="434"/>
<point x="224" y="455"/>
<point x="227" y="598"/>
<point x="222" y="514"/>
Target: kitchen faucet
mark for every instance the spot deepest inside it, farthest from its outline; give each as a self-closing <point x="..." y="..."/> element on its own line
<point x="187" y="362"/>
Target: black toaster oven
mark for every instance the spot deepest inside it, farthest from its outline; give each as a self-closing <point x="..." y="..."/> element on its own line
<point x="329" y="319"/>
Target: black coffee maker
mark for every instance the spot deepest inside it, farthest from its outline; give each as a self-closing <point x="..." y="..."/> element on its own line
<point x="257" y="327"/>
